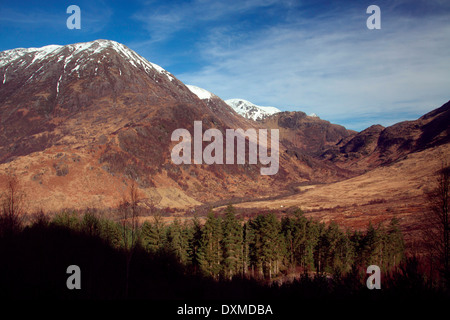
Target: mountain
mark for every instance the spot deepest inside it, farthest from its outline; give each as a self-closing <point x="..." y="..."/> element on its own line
<point x="80" y="122"/>
<point x="307" y="135"/>
<point x="251" y="111"/>
<point x="377" y="145"/>
<point x="396" y="190"/>
<point x="220" y="108"/>
<point x="394" y="168"/>
<point x="46" y="89"/>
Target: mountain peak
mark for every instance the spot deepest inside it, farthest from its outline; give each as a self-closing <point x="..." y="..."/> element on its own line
<point x="77" y="54"/>
<point x="250" y="110"/>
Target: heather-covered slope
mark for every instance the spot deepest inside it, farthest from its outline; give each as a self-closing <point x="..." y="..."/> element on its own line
<point x="81" y="121"/>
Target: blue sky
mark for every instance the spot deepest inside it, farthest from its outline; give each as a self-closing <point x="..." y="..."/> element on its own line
<point x="313" y="56"/>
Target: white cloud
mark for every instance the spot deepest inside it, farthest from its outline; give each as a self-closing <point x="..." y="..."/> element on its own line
<point x="94" y="17"/>
<point x="162" y="21"/>
<point x="336" y="68"/>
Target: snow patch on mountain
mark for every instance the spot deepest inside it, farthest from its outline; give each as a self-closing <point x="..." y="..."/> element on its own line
<point x="79" y="51"/>
<point x="202" y="94"/>
<point x="250" y="110"/>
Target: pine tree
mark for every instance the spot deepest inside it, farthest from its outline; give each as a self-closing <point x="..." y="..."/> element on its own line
<point x="231" y="243"/>
<point x="266" y="244"/>
<point x="357" y="241"/>
<point x="245" y="257"/>
<point x="346" y="252"/>
<point x="194" y="236"/>
<point x="176" y="241"/>
<point x="295" y="236"/>
<point x="330" y="242"/>
<point x="300" y="237"/>
<point x="320" y="248"/>
<point x="153" y="234"/>
<point x="253" y="238"/>
<point x="369" y="244"/>
<point x="395" y="245"/>
<point x="210" y="255"/>
<point x="289" y="231"/>
<point x="312" y="238"/>
<point x="374" y="243"/>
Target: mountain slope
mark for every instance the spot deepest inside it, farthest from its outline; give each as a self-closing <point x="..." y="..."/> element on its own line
<point x="222" y="109"/>
<point x="377" y="145"/>
<point x="48" y="88"/>
<point x="391" y="191"/>
<point x="306" y="134"/>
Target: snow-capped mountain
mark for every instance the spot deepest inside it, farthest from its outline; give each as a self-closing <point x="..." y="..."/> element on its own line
<point x="46" y="93"/>
<point x="218" y="106"/>
<point x="80" y="121"/>
<point x="242" y="107"/>
<point x="73" y="57"/>
<point x="75" y="54"/>
<point x="251" y="111"/>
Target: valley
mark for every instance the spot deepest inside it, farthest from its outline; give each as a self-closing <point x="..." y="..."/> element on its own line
<point x="397" y="190"/>
<point x="82" y="122"/>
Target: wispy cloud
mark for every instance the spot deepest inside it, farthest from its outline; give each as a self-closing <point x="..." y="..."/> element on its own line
<point x="95" y="16"/>
<point x="163" y="20"/>
<point x="27" y="19"/>
<point x="334" y="67"/>
<point x="310" y="55"/>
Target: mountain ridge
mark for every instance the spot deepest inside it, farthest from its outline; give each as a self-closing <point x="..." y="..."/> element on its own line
<point x="378" y="145"/>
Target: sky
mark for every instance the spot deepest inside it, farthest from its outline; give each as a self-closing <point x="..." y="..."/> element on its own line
<point x="311" y="56"/>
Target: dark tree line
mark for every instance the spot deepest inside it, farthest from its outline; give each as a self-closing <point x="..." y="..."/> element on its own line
<point x="184" y="260"/>
<point x="265" y="246"/>
<point x="222" y="247"/>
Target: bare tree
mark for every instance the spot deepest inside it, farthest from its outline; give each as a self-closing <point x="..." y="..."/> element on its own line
<point x="12" y="207"/>
<point x="438" y="231"/>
